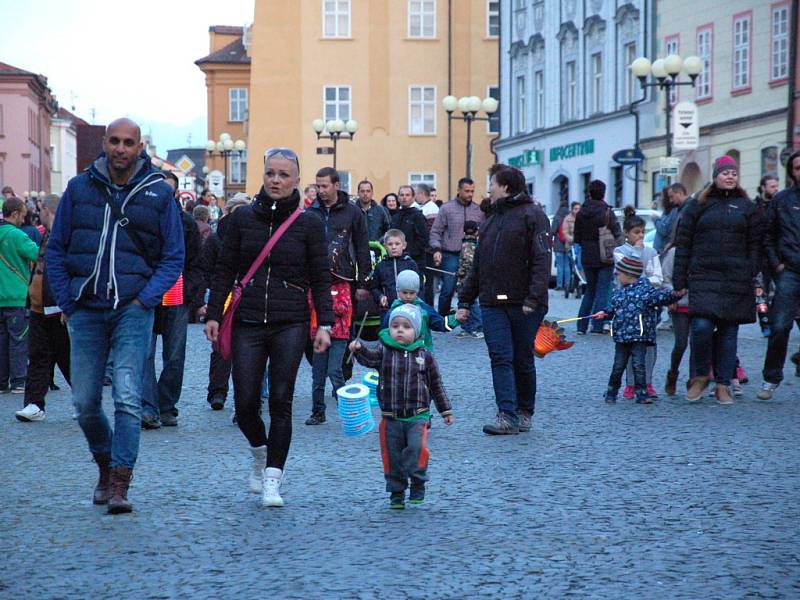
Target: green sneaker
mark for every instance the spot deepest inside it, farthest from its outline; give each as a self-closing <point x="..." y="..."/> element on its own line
<point x="397" y="501"/>
<point x="417" y="496"/>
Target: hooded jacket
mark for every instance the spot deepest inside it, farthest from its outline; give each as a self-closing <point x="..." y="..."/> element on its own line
<point x="277" y="293"/>
<point x="782" y="239"/>
<point x="348" y="241"/>
<point x="93" y="262"/>
<point x="17" y="252"/>
<point x="448" y="228"/>
<point x="512" y="260"/>
<point x="591" y="217"/>
<point x="633" y="311"/>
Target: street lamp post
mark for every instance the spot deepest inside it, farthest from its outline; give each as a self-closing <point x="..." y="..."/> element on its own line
<point x="334" y="130"/>
<point x="469" y="106"/>
<point x="224" y="147"/>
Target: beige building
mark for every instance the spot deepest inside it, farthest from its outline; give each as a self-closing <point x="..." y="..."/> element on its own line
<point x="742" y="93"/>
<point x="386" y="64"/>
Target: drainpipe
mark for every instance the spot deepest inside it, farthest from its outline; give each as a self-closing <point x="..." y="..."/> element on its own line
<point x="793" y="97"/>
<point x="449" y="93"/>
<point x="499" y="85"/>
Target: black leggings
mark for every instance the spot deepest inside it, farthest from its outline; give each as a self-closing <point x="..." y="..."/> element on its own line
<point x="283" y="344"/>
<point x="680" y="327"/>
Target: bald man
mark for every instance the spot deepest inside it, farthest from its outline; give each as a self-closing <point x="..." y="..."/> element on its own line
<point x="115" y="248"/>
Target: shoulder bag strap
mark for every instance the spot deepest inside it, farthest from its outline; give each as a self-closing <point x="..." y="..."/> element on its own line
<point x="268" y="247"/>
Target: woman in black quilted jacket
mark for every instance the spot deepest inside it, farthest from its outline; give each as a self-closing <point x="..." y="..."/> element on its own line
<point x="272" y="319"/>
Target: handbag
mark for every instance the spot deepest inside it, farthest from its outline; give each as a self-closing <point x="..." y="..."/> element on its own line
<point x="607" y="242"/>
<point x="224" y="343"/>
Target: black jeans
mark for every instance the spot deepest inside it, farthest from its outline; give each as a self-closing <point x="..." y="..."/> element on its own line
<point x="48" y="345"/>
<point x="713" y="345"/>
<point x="623" y="352"/>
<point x="782" y="313"/>
<point x="283" y="345"/>
<point x="219" y="372"/>
<point x="680" y="328"/>
<point x="428" y="288"/>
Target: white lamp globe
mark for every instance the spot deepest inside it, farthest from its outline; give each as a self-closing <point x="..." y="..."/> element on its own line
<point x="640" y="67"/>
<point x="224" y="136"/>
<point x="205" y="170"/>
<point x="463" y="104"/>
<point x="474" y="104"/>
<point x="658" y="70"/>
<point x="450" y="103"/>
<point x="42" y="194"/>
<point x="227" y="144"/>
<point x="351" y="126"/>
<point x="693" y="65"/>
<point x="239" y="145"/>
<point x="219" y="146"/>
<point x="318" y="125"/>
<point x="490" y="105"/>
<point x="211" y="145"/>
<point x="338" y="125"/>
<point x="329" y="126"/>
<point x="673" y="64"/>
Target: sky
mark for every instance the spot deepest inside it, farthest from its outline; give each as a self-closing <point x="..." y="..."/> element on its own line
<point x="122" y="59"/>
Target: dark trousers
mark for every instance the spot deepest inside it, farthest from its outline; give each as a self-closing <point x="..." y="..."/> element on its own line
<point x="596" y="297"/>
<point x="13" y="346"/>
<point x="430" y="279"/>
<point x="783" y="312"/>
<point x="219" y="372"/>
<point x="48" y="345"/>
<point x="713" y="344"/>
<point x="405" y="454"/>
<point x="160" y="396"/>
<point x="680" y="328"/>
<point x="283" y="345"/>
<point x="449" y="263"/>
<point x="635" y="352"/>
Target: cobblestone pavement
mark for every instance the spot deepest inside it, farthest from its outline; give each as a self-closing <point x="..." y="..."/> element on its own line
<point x="663" y="501"/>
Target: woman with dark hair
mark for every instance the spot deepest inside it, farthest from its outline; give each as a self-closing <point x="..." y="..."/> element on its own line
<point x="390" y="203"/>
<point x="594" y="215"/>
<point x="716" y="258"/>
<point x="272" y="320"/>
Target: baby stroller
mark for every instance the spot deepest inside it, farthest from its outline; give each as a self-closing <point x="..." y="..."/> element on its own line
<point x="577" y="281"/>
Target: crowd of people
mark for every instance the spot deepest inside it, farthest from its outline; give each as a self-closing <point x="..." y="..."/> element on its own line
<point x="89" y="280"/>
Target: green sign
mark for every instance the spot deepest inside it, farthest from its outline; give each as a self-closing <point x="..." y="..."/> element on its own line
<point x="572" y="150"/>
<point x="527" y="159"/>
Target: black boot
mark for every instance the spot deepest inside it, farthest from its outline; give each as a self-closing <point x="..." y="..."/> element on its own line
<point x="101" y="490"/>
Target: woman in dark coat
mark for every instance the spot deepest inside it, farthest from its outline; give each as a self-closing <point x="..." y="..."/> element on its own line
<point x="716" y="258"/>
<point x="272" y="320"/>
<point x="594" y="214"/>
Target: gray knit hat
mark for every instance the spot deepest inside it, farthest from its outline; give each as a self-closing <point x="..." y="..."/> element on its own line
<point x="408" y="281"/>
<point x="410" y="312"/>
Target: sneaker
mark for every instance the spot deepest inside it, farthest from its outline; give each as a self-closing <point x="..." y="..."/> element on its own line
<point x="397" y="500"/>
<point x="606" y="328"/>
<point x="169" y="420"/>
<point x="417" y="496"/>
<point x="217" y="402"/>
<point x="502" y="425"/>
<point x="723" y="394"/>
<point x="610" y="398"/>
<point x="18" y="389"/>
<point x="150" y="422"/>
<point x="643" y="398"/>
<point x="736" y="387"/>
<point x="767" y="390"/>
<point x="255" y="482"/>
<point x="316" y="418"/>
<point x="30" y="413"/>
<point x="651" y="392"/>
<point x="695" y="388"/>
<point x="271" y="489"/>
<point x="525" y="421"/>
<point x="579" y="332"/>
<point x="478" y="335"/>
<point x="741" y="375"/>
<point x="629" y="392"/>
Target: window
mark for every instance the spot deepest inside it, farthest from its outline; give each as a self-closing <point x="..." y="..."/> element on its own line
<point x="237" y="104"/>
<point x="344" y="181"/>
<point x="538" y="82"/>
<point x="618" y="181"/>
<point x="416" y="177"/>
<point x="572" y="91"/>
<point x="492" y="18"/>
<point x="742" y="25"/>
<point x="779" y="43"/>
<point x="705" y="49"/>
<point x="672" y="46"/>
<point x="521" y="110"/>
<point x="337" y="102"/>
<point x="769" y="161"/>
<point x="597" y="83"/>
<point x="239" y="166"/>
<point x="629" y="55"/>
<point x="421" y="18"/>
<point x="336" y="18"/>
<point x="585" y="179"/>
<point x="422" y="110"/>
<point x="493" y="125"/>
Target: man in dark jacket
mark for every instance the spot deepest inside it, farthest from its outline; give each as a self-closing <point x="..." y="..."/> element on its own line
<point x="510" y="275"/>
<point x="160" y="396"/>
<point x="108" y="274"/>
<point x="377" y="216"/>
<point x="782" y="245"/>
<point x="412" y="223"/>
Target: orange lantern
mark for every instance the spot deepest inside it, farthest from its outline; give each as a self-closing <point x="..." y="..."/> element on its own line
<point x="550" y="338"/>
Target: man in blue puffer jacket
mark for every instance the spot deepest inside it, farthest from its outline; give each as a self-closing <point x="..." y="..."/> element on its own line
<point x="107" y="275"/>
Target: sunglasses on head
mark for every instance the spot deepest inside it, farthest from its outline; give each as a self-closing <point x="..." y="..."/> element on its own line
<point x="283" y="152"/>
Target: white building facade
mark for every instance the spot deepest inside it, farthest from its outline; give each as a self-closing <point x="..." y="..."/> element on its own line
<point x="566" y="90"/>
<point x="63" y="151"/>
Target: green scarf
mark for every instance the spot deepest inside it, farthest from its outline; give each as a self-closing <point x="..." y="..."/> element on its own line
<point x="425" y="334"/>
<point x="388" y="341"/>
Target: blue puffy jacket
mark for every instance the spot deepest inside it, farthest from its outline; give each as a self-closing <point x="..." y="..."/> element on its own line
<point x="92" y="262"/>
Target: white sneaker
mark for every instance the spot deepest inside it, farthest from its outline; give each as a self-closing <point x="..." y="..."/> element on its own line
<point x="270" y="494"/>
<point x="256" y="479"/>
<point x="30" y="413"/>
<point x="766" y="391"/>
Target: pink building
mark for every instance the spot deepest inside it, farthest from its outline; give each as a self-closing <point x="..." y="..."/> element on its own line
<point x="26" y="106"/>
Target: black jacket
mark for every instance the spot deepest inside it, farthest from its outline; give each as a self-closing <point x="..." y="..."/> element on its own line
<point x="193" y="281"/>
<point x="512" y="260"/>
<point x="412" y="223"/>
<point x="591" y="217"/>
<point x="277" y="293"/>
<point x="384" y="277"/>
<point x="716" y="255"/>
<point x="782" y="235"/>
<point x="348" y="240"/>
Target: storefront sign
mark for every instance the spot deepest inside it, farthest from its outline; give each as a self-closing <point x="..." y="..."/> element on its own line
<point x="528" y="158"/>
<point x="572" y="150"/>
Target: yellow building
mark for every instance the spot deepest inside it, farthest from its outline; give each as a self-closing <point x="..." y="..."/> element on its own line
<point x="386" y="64"/>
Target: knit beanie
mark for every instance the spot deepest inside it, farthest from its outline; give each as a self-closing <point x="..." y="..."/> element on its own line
<point x="630" y="266"/>
<point x="410" y="312"/>
<point x="408" y="281"/>
<point x="724" y="163"/>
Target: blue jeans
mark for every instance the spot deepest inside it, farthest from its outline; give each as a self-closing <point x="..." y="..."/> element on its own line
<point x="160" y="397"/>
<point x="449" y="263"/>
<point x="595" y="299"/>
<point x="563" y="274"/>
<point x="124" y="334"/>
<point x="474" y="322"/>
<point x="784" y="310"/>
<point x="713" y="341"/>
<point x="509" y="337"/>
<point x="633" y="352"/>
<point x="326" y="365"/>
<point x="13" y="346"/>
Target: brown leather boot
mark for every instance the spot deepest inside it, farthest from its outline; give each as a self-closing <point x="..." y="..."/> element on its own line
<point x="671" y="384"/>
<point x="697" y="385"/>
<point x="120" y="480"/>
<point x="101" y="490"/>
<point x="723" y="394"/>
